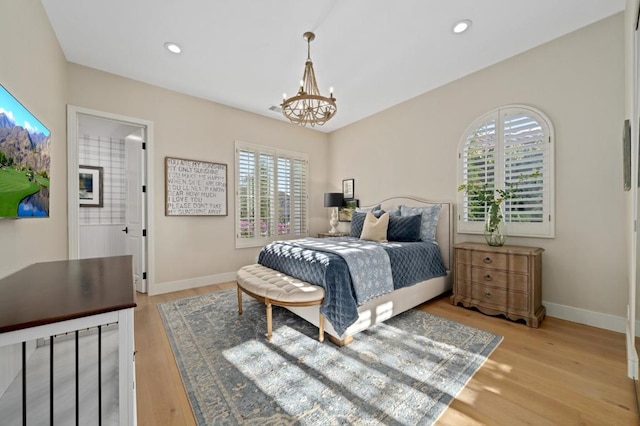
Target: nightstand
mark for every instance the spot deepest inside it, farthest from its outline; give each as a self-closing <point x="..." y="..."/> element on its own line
<point x="503" y="280"/>
<point x="329" y="235"/>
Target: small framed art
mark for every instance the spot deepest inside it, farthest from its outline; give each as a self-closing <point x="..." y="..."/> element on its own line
<point x="90" y="186"/>
<point x="348" y="188"/>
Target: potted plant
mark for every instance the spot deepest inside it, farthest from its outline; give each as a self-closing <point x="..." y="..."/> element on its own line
<point x="494" y="230"/>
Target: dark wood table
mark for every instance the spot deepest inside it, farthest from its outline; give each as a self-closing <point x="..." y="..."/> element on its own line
<point x="49" y="292"/>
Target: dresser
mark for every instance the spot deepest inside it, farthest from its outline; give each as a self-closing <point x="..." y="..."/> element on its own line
<point x="503" y="280"/>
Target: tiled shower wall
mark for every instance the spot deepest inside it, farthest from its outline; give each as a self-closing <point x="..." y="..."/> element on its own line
<point x="101" y="227"/>
<point x="109" y="154"/>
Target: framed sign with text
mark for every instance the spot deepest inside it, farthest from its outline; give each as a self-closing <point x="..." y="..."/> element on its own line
<point x="195" y="188"/>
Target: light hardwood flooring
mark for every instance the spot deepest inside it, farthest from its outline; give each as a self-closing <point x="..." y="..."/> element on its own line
<point x="562" y="373"/>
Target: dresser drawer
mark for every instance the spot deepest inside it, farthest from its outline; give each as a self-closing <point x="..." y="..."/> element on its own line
<point x="492" y="277"/>
<point x="502" y="279"/>
<point x="500" y="299"/>
<point x="504" y="261"/>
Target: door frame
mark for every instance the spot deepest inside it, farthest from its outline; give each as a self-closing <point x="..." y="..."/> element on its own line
<point x="73" y="209"/>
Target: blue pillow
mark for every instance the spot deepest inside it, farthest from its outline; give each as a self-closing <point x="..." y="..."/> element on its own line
<point x="357" y="221"/>
<point x="406" y="229"/>
<point x="430" y="215"/>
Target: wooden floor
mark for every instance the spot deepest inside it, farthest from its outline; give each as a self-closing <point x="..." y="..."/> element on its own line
<point x="562" y="373"/>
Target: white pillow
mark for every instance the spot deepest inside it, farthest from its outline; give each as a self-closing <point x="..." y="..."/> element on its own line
<point x="375" y="228"/>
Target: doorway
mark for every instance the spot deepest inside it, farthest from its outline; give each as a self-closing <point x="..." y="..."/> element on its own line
<point x="108" y="177"/>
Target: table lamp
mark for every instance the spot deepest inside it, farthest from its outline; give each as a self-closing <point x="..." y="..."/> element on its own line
<point x="334" y="200"/>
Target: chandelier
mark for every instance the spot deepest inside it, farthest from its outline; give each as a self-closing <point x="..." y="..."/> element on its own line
<point x="308" y="106"/>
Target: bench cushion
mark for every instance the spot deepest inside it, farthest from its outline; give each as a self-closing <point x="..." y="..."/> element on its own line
<point x="276" y="286"/>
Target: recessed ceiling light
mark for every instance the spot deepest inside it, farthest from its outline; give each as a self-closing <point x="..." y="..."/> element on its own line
<point x="461" y="26"/>
<point x="172" y="47"/>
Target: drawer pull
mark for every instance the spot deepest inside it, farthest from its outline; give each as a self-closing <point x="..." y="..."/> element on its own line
<point x="487" y="260"/>
<point x="488" y="277"/>
<point x="487" y="294"/>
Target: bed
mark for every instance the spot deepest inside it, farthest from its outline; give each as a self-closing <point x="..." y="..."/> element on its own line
<point x="372" y="308"/>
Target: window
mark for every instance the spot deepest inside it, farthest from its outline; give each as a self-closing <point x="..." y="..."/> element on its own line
<point x="271" y="194"/>
<point x="512" y="145"/>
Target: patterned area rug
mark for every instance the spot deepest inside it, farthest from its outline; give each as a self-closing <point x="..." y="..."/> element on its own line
<point x="402" y="372"/>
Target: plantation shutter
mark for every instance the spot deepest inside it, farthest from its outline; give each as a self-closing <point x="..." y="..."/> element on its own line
<point x="271" y="194"/>
<point x="246" y="194"/>
<point x="525" y="144"/>
<point x="284" y="191"/>
<point x="267" y="194"/>
<point x="503" y="149"/>
<point x="299" y="196"/>
<point x="478" y="165"/>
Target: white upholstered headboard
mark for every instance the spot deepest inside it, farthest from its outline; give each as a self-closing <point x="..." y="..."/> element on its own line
<point x="444" y="231"/>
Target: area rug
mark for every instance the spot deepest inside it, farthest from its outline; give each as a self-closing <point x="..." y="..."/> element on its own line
<point x="402" y="372"/>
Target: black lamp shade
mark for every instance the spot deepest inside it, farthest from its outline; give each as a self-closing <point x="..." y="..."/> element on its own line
<point x="333" y="199"/>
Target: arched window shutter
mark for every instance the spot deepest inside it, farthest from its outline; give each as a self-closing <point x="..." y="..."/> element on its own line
<point x="505" y="148"/>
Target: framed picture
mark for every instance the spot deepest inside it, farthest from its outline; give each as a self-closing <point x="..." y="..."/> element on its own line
<point x="90" y="186"/>
<point x="626" y="154"/>
<point x="345" y="213"/>
<point x="348" y="188"/>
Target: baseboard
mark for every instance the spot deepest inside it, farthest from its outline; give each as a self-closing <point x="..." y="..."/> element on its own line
<point x="171" y="286"/>
<point x="569" y="313"/>
<point x="592" y="318"/>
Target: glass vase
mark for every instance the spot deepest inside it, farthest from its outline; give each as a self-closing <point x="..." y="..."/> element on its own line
<point x="495" y="229"/>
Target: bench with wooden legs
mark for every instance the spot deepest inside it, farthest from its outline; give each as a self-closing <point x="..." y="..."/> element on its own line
<point x="275" y="288"/>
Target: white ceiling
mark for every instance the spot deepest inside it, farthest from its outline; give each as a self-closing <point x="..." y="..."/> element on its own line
<point x="246" y="53"/>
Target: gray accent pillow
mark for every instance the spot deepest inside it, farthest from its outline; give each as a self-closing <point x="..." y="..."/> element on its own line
<point x="430" y="215"/>
<point x="404" y="228"/>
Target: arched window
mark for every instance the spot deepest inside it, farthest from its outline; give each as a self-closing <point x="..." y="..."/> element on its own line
<point x="510" y="147"/>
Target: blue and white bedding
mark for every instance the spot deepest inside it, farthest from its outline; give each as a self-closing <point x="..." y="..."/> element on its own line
<point x="344" y="266"/>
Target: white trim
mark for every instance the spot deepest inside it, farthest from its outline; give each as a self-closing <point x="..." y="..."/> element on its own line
<point x="586" y="317"/>
<point x="72" y="167"/>
<point x="169" y="287"/>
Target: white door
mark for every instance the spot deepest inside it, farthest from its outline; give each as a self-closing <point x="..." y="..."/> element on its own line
<point x="134" y="211"/>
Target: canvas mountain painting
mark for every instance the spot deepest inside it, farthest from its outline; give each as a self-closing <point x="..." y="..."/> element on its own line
<point x="25" y="159"/>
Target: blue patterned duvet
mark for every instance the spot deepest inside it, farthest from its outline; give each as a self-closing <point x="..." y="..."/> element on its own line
<point x="318" y="262"/>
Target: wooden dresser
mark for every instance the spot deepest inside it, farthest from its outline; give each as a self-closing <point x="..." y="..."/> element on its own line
<point x="503" y="280"/>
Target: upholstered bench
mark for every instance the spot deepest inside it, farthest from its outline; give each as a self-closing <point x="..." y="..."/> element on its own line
<point x="275" y="288"/>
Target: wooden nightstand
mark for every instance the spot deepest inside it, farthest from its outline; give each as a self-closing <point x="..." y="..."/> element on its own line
<point x="503" y="280"/>
<point x="328" y="235"/>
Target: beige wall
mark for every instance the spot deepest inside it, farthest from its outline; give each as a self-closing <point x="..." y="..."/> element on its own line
<point x="578" y="81"/>
<point x="33" y="69"/>
<point x="187" y="248"/>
